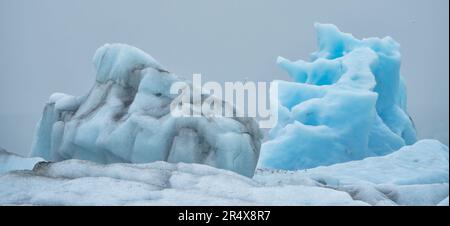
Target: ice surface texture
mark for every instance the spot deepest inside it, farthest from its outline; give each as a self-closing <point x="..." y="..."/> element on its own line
<point x="126" y="118"/>
<point x="348" y="103"/>
<point x="414" y="175"/>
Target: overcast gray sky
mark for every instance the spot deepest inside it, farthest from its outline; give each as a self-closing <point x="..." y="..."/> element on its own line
<point x="46" y="46"/>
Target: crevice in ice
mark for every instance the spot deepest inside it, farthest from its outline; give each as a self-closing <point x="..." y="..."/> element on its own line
<point x="88" y="113"/>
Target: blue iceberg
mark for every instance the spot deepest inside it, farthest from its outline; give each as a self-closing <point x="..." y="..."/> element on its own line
<point x="347" y="103"/>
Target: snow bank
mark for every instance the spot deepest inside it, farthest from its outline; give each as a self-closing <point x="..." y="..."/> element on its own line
<point x="444" y="202"/>
<point x="125" y="118"/>
<point x="414" y="175"/>
<point x="10" y="162"/>
<point x="348" y="103"/>
<point x="79" y="182"/>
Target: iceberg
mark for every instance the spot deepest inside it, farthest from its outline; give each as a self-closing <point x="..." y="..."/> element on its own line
<point x="347" y="103"/>
<point x="126" y="118"/>
<point x="414" y="175"/>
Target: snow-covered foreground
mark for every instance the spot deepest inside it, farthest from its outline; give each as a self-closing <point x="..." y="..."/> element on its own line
<point x="347" y="103"/>
<point x="414" y="175"/>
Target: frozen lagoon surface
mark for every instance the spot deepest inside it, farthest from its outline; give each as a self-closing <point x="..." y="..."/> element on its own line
<point x="347" y="104"/>
<point x="414" y="175"/>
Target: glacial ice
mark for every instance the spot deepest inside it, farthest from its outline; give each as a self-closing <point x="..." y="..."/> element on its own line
<point x="348" y="103"/>
<point x="444" y="202"/>
<point x="414" y="175"/>
<point x="125" y="118"/>
<point x="10" y="162"/>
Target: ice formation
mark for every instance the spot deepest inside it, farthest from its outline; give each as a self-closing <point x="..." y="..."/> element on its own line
<point x="414" y="175"/>
<point x="10" y="162"/>
<point x="125" y="118"/>
<point x="348" y="103"/>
